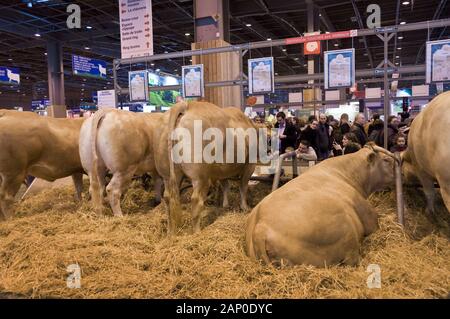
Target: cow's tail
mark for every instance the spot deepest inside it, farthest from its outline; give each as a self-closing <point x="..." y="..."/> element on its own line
<point x="255" y="238"/>
<point x="96" y="188"/>
<point x="174" y="193"/>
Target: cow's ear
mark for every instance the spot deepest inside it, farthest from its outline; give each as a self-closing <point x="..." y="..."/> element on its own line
<point x="371" y="157"/>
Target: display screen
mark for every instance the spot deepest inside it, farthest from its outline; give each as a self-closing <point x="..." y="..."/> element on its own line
<point x="163" y="98"/>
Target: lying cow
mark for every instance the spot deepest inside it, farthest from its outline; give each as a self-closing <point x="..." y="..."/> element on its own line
<point x="44" y="147"/>
<point x="428" y="153"/>
<point x="202" y="175"/>
<point x="321" y="217"/>
<point x="120" y="142"/>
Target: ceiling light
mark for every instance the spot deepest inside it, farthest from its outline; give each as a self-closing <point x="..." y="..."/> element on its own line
<point x="400" y="37"/>
<point x="88" y="27"/>
<point x="336" y="44"/>
<point x="166" y="52"/>
<point x="152" y="64"/>
<point x="37" y="34"/>
<point x="284" y="50"/>
<point x="398" y="57"/>
<point x="269" y="39"/>
<point x="157" y="70"/>
<point x="403" y="22"/>
<point x="45" y="53"/>
<point x="9" y="59"/>
<point x="405" y="3"/>
<point x="248" y="25"/>
<point x="187" y="34"/>
<point x="87" y="48"/>
<point x="399" y="48"/>
<point x="296" y="59"/>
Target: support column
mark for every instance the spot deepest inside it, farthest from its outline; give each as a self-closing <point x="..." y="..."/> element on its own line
<point x="57" y="106"/>
<point x="212" y="31"/>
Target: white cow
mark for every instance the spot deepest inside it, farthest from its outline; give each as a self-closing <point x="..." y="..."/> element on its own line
<point x="102" y="70"/>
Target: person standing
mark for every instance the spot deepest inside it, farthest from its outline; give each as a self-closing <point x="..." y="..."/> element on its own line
<point x="286" y="132"/>
<point x="324" y="143"/>
<point x="358" y="129"/>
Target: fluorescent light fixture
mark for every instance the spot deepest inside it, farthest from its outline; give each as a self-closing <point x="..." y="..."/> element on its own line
<point x="405" y="3"/>
<point x="269" y="39"/>
<point x="88" y="27"/>
<point x="37" y="34"/>
<point x="187" y="34"/>
<point x="248" y="25"/>
<point x="400" y="37"/>
<point x="87" y="48"/>
<point x="403" y="22"/>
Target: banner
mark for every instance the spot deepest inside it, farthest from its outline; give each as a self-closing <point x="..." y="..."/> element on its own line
<point x="261" y="75"/>
<point x="322" y="37"/>
<point x="9" y="75"/>
<point x="138" y="85"/>
<point x="136" y="28"/>
<point x="88" y="67"/>
<point x="339" y="68"/>
<point x="193" y="81"/>
<point x="438" y="61"/>
<point x="106" y="99"/>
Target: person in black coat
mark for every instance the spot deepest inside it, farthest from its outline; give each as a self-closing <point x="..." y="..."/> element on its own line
<point x="310" y="134"/>
<point x="323" y="138"/>
<point x="358" y="129"/>
<point x="286" y="132"/>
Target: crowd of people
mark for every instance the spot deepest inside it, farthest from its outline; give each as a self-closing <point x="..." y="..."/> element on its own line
<point x="319" y="139"/>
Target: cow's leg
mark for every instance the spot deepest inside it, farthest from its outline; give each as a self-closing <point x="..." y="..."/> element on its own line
<point x="445" y="192"/>
<point x="243" y="186"/>
<point x="428" y="188"/>
<point x="9" y="187"/>
<point x="158" y="183"/>
<point x="97" y="189"/>
<point x="225" y="191"/>
<point x="77" y="179"/>
<point x="116" y="187"/>
<point x="199" y="195"/>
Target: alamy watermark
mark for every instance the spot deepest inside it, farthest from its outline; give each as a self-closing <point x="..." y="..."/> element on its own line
<point x="73" y="281"/>
<point x="235" y="145"/>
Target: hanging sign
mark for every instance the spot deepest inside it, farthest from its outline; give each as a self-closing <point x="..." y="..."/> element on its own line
<point x="106" y="99"/>
<point x="138" y="84"/>
<point x="322" y="37"/>
<point x="438" y="61"/>
<point x="9" y="75"/>
<point x="339" y="68"/>
<point x="193" y="82"/>
<point x="136" y="28"/>
<point x="85" y="66"/>
<point x="261" y="75"/>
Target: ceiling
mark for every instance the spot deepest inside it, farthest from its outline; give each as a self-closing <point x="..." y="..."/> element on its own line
<point x="99" y="35"/>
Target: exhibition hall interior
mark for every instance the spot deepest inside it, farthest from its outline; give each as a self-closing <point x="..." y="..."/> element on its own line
<point x="224" y="149"/>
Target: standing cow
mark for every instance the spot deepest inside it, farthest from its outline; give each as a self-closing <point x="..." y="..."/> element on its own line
<point x="120" y="142"/>
<point x="40" y="146"/>
<point x="428" y="154"/>
<point x="202" y="175"/>
<point x="321" y="217"/>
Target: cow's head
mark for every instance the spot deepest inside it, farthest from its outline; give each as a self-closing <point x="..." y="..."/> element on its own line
<point x="381" y="167"/>
<point x="408" y="171"/>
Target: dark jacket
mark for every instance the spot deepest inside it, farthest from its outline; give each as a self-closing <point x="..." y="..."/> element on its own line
<point x="291" y="137"/>
<point x="324" y="142"/>
<point x="358" y="130"/>
<point x="344" y="128"/>
<point x="310" y="135"/>
<point x="392" y="133"/>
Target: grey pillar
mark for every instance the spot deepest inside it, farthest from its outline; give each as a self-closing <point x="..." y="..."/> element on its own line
<point x="55" y="79"/>
<point x="212" y="20"/>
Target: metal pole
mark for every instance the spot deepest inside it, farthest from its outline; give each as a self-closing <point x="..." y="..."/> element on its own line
<point x="116" y="88"/>
<point x="386" y="90"/>
<point x="241" y="78"/>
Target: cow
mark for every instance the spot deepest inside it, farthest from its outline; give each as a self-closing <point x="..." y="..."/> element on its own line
<point x="428" y="154"/>
<point x="39" y="146"/>
<point x="120" y="142"/>
<point x="202" y="175"/>
<point x="321" y="217"/>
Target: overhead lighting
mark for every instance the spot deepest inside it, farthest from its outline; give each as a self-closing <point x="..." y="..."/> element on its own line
<point x="87" y="48"/>
<point x="166" y="52"/>
<point x="403" y="22"/>
<point x="405" y="3"/>
<point x="327" y="32"/>
<point x="336" y="44"/>
<point x="187" y="34"/>
<point x="284" y="50"/>
<point x="157" y="70"/>
<point x="88" y="27"/>
<point x="45" y="53"/>
<point x="400" y="38"/>
<point x="399" y="48"/>
<point x="296" y="59"/>
<point x="269" y="39"/>
<point x="248" y="25"/>
<point x="37" y="34"/>
<point x="152" y="64"/>
<point x="398" y="57"/>
<point x="9" y="59"/>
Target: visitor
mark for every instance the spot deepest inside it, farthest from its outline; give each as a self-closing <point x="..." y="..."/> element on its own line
<point x="358" y="129"/>
<point x="286" y="132"/>
<point x="306" y="152"/>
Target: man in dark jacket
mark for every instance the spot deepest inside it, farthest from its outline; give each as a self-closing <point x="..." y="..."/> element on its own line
<point x="286" y="132"/>
<point x="324" y="143"/>
<point x="310" y="134"/>
<point x="358" y="129"/>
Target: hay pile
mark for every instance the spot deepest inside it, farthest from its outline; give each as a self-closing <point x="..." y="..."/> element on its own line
<point x="132" y="257"/>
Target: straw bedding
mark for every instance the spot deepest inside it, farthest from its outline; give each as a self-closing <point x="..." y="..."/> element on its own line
<point x="131" y="257"/>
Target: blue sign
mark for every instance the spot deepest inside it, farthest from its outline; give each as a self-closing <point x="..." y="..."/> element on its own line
<point x="84" y="66"/>
<point x="9" y="75"/>
<point x="39" y="104"/>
